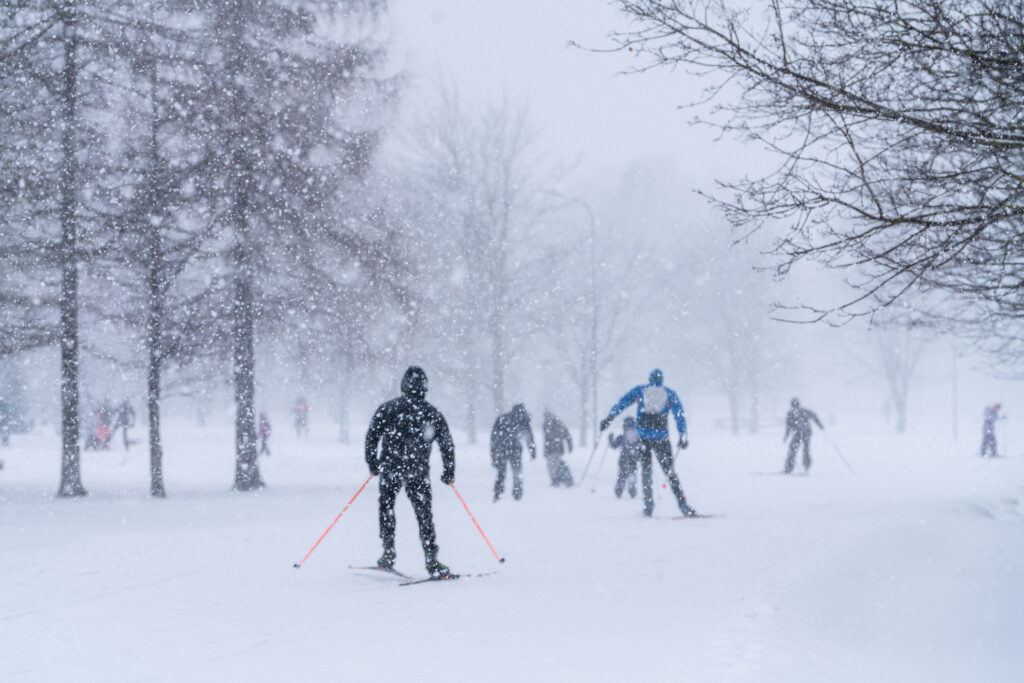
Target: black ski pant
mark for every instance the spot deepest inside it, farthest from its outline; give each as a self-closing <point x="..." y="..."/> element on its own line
<point x="513" y="461"/>
<point x="417" y="487"/>
<point x="558" y="470"/>
<point x="662" y="449"/>
<point x="988" y="442"/>
<point x="627" y="474"/>
<point x="794" y="445"/>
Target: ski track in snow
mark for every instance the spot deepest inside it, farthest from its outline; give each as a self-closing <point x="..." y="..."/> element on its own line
<point x="910" y="570"/>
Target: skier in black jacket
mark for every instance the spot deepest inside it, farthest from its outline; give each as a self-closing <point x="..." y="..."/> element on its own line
<point x="798" y="423"/>
<point x="555" y="435"/>
<point x="507" y="450"/>
<point x="408" y="426"/>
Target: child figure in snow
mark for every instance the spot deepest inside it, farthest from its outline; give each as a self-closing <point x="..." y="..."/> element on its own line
<point x="409" y="426"/>
<point x="798" y="423"/>
<point x="263" y="432"/>
<point x="988" y="430"/>
<point x="654" y="403"/>
<point x="555" y="435"/>
<point x="507" y="449"/>
<point x="629" y="442"/>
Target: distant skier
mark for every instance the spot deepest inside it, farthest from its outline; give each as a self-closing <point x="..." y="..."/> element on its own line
<point x="988" y="430"/>
<point x="301" y="417"/>
<point x="798" y="423"/>
<point x="654" y="403"/>
<point x="263" y="432"/>
<point x="507" y="450"/>
<point x="629" y="442"/>
<point x="124" y="418"/>
<point x="5" y="423"/>
<point x="556" y="439"/>
<point x="409" y="426"/>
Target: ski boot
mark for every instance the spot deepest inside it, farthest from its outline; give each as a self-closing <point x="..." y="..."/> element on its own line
<point x="687" y="511"/>
<point x="436" y="569"/>
<point x="387" y="560"/>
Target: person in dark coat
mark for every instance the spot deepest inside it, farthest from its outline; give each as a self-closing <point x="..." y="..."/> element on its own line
<point x="798" y="423"/>
<point x="556" y="439"/>
<point x="124" y="419"/>
<point x="654" y="403"/>
<point x="507" y="450"/>
<point x="629" y="442"/>
<point x="409" y="426"/>
<point x="988" y="430"/>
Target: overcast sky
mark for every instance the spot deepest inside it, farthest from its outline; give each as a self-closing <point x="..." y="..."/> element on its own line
<point x="580" y="103"/>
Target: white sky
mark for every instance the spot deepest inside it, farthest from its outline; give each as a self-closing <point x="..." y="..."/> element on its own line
<point x="581" y="105"/>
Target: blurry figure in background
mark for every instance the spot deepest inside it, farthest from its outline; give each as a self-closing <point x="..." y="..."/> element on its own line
<point x="124" y="419"/>
<point x="301" y="417"/>
<point x="629" y="442"/>
<point x="507" y="450"/>
<point x="798" y="423"/>
<point x="654" y="403"/>
<point x="5" y="423"/>
<point x="409" y="426"/>
<point x="555" y="435"/>
<point x="988" y="430"/>
<point x="263" y="432"/>
<point x="104" y="416"/>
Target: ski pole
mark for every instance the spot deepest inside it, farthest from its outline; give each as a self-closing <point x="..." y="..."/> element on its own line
<point x="839" y="452"/>
<point x="593" y="452"/>
<point x="600" y="464"/>
<point x="299" y="564"/>
<point x="477" y="524"/>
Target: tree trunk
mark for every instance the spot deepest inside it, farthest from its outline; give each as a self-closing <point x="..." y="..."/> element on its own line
<point x="157" y="306"/>
<point x="584" y="418"/>
<point x="70" y="471"/>
<point x="471" y="400"/>
<point x="247" y="472"/>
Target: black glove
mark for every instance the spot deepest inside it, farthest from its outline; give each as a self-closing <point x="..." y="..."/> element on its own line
<point x="448" y="477"/>
<point x="684" y="441"/>
<point x="374" y="469"/>
<point x="605" y="422"/>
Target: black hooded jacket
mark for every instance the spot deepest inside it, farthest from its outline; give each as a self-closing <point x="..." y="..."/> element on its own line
<point x="506" y="433"/>
<point x="409" y="426"/>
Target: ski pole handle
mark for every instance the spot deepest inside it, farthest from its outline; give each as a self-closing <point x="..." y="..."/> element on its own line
<point x="352" y="500"/>
<point x="461" y="500"/>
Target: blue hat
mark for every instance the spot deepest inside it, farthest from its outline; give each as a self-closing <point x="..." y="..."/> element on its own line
<point x="657" y="377"/>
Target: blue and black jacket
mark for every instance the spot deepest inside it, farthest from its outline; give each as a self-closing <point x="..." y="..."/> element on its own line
<point x="655" y="401"/>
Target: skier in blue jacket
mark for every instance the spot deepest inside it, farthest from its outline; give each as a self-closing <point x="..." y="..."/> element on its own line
<point x="654" y="403"/>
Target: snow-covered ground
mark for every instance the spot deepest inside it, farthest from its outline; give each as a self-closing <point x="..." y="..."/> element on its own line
<point x="911" y="568"/>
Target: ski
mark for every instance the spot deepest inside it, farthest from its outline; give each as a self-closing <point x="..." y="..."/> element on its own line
<point x="697" y="516"/>
<point x="449" y="577"/>
<point x="383" y="570"/>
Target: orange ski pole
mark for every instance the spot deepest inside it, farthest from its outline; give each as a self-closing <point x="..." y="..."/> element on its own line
<point x="499" y="557"/>
<point x="299" y="564"/>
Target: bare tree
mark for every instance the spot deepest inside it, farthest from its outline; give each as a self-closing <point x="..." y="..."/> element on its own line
<point x="898" y="132"/>
<point x="487" y="177"/>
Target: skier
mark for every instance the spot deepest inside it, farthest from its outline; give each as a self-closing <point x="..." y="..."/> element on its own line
<point x="123" y="419"/>
<point x="301" y="417"/>
<point x="654" y="402"/>
<point x="798" y="423"/>
<point x="988" y="430"/>
<point x="5" y="423"/>
<point x="629" y="442"/>
<point x="507" y="449"/>
<point x="263" y="432"/>
<point x="408" y="426"/>
<point x="555" y="434"/>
